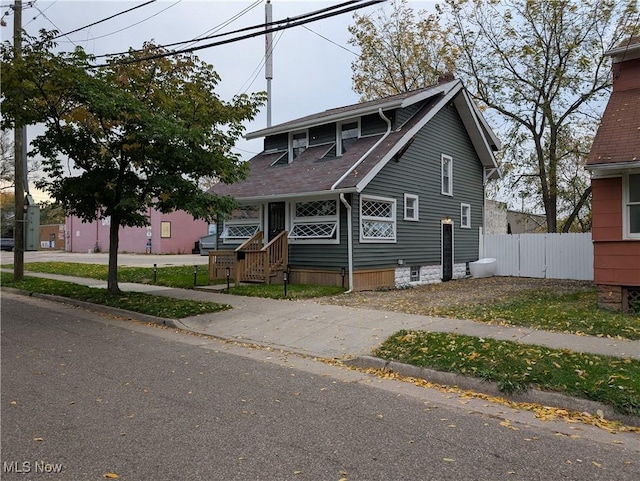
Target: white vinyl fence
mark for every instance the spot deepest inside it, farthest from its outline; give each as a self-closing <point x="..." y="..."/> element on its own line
<point x="553" y="256"/>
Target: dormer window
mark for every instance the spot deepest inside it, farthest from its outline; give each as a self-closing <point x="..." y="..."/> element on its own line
<point x="299" y="143"/>
<point x="348" y="135"/>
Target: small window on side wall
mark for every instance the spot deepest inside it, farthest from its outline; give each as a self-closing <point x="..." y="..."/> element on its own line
<point x="299" y="144"/>
<point x="447" y="175"/>
<point x="411" y="207"/>
<point x="465" y="216"/>
<point x="632" y="207"/>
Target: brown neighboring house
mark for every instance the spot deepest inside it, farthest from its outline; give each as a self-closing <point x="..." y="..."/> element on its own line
<point x="614" y="162"/>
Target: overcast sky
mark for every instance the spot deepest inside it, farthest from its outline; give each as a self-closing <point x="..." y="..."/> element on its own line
<point x="311" y="73"/>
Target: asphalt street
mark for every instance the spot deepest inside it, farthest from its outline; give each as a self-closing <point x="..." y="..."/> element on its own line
<point x="93" y="396"/>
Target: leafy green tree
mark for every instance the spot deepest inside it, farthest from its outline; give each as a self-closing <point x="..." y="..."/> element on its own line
<point x="400" y="51"/>
<point x="541" y="66"/>
<point x="127" y="136"/>
<point x="51" y="213"/>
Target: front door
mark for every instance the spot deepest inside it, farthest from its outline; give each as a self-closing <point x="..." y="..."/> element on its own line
<point x="447" y="251"/>
<point x="276" y="219"/>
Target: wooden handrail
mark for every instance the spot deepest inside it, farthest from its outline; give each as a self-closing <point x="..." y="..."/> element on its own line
<point x="254" y="243"/>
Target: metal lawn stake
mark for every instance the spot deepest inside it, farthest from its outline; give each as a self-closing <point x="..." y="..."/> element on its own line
<point x="155" y="273"/>
<point x="228" y="272"/>
<point x="285" y="278"/>
<point x="195" y="275"/>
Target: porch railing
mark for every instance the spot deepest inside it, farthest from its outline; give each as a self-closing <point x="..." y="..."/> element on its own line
<point x="251" y="262"/>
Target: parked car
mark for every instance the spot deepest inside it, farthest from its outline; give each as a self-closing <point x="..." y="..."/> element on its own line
<point x="7" y="244"/>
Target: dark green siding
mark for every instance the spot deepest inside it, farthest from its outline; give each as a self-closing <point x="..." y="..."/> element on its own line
<point x="323" y="256"/>
<point x="402" y="115"/>
<point x="322" y="134"/>
<point x="373" y="124"/>
<point x="277" y="142"/>
<point x="418" y="173"/>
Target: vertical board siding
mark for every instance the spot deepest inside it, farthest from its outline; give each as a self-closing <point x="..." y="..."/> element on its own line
<point x="552" y="256"/>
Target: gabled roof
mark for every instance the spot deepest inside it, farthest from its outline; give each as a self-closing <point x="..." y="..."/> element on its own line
<point x="617" y="141"/>
<point x="355" y="110"/>
<point x="312" y="174"/>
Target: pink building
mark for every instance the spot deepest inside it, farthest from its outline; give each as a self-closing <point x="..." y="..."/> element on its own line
<point x="174" y="233"/>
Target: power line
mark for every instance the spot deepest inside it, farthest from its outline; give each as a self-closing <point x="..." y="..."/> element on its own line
<point x="42" y="13"/>
<point x="244" y="29"/>
<point x="134" y="24"/>
<point x="256" y="71"/>
<point x="330" y="41"/>
<point x="104" y="19"/>
<point x="220" y="26"/>
<point x="313" y="17"/>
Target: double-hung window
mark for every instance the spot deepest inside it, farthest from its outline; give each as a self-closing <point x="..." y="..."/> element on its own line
<point x="447" y="175"/>
<point x="411" y="207"/>
<point x="243" y="223"/>
<point x="465" y="216"/>
<point x="377" y="219"/>
<point x="315" y="221"/>
<point x="632" y="205"/>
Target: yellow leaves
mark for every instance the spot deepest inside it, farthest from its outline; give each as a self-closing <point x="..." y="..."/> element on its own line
<point x="556" y="365"/>
<point x="507" y="424"/>
<point x="111" y="476"/>
<point x="449" y="460"/>
<point x="597" y="465"/>
<point x="38" y="440"/>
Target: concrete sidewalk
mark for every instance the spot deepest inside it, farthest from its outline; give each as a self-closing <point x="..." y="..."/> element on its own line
<point x="314" y="329"/>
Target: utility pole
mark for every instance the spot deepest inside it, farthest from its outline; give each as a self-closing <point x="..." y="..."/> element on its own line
<point x="268" y="61"/>
<point x="18" y="131"/>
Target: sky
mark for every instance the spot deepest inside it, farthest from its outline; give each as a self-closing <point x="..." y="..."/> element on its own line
<point x="310" y="73"/>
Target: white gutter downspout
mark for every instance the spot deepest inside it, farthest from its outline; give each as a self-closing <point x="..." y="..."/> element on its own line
<point x="349" y="241"/>
<point x="346" y="204"/>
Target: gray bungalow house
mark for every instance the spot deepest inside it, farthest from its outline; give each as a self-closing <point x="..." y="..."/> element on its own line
<point x="377" y="194"/>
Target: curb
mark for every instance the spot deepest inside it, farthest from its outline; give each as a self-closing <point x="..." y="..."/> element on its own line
<point x="544" y="398"/>
<point x="162" y="321"/>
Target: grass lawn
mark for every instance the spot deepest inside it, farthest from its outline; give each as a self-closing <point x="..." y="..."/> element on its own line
<point x="181" y="277"/>
<point x="294" y="291"/>
<point x="515" y="366"/>
<point x="172" y="276"/>
<point x="134" y="301"/>
<point x="575" y="312"/>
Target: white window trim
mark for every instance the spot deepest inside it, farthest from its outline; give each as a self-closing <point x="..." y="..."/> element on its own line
<point x="464" y="225"/>
<point x="391" y="220"/>
<point x="256" y="222"/>
<point x="291" y="134"/>
<point x="339" y="134"/>
<point x="326" y="219"/>
<point x="416" y="210"/>
<point x="449" y="190"/>
<point x="626" y="203"/>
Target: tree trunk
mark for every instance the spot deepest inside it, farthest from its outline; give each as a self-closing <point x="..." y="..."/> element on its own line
<point x="574" y="213"/>
<point x="112" y="279"/>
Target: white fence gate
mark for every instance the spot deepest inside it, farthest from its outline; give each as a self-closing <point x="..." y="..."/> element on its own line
<point x="553" y="256"/>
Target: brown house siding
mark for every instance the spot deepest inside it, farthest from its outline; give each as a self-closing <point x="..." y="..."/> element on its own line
<point x="616" y="264"/>
<point x="607" y="209"/>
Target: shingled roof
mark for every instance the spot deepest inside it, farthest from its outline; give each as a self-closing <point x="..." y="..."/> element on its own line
<point x="617" y="142"/>
<point x="313" y="173"/>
